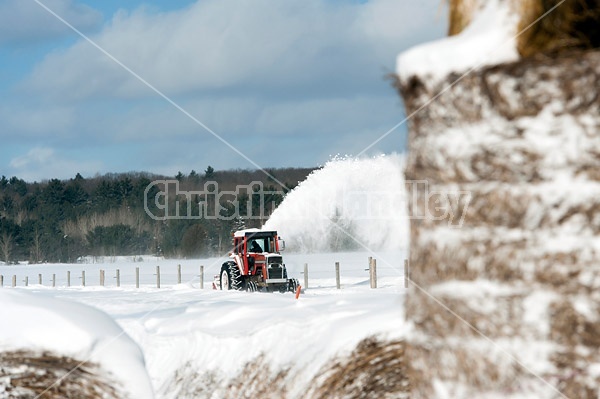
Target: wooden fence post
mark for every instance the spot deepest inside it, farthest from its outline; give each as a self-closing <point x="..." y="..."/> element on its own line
<point x="305" y="275"/>
<point x="201" y="277"/>
<point x="118" y="278"/>
<point x="373" y="273"/>
<point x="83" y="278"/>
<point x="337" y="275"/>
<point x="68" y="278"/>
<point x="1" y="281"/>
<point x="157" y="276"/>
<point x="26" y="281"/>
<point x="40" y="278"/>
<point x="137" y="277"/>
<point x="101" y="277"/>
<point x="406" y="273"/>
<point x="53" y="280"/>
<point x="178" y="274"/>
<point x="14" y="281"/>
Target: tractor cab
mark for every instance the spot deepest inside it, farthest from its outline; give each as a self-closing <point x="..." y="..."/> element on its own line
<point x="253" y="248"/>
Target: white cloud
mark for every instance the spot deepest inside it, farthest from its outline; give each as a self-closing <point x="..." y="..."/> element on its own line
<point x="25" y="20"/>
<point x="41" y="162"/>
<point x="221" y="44"/>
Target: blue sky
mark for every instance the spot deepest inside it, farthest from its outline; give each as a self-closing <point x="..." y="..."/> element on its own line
<point x="288" y="83"/>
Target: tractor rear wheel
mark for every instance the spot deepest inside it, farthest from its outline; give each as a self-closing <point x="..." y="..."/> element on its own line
<point x="231" y="278"/>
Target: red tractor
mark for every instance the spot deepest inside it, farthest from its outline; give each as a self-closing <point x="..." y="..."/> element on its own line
<point x="256" y="264"/>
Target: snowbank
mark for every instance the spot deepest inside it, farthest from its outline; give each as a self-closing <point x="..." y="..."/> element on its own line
<point x="41" y="324"/>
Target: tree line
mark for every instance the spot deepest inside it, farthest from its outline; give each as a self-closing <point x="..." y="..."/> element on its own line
<point x="128" y="214"/>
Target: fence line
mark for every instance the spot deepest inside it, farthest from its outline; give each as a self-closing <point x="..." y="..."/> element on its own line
<point x="371" y="262"/>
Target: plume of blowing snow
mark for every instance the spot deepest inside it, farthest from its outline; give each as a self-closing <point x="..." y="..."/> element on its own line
<point x="348" y="204"/>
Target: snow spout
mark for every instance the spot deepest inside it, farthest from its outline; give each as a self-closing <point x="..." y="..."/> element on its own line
<point x="346" y="205"/>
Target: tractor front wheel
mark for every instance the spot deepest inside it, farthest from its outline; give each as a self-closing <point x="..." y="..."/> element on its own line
<point x="251" y="286"/>
<point x="225" y="285"/>
<point x="293" y="285"/>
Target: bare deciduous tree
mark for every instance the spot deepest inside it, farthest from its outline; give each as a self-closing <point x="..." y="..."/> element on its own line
<point x="6" y="246"/>
<point x="36" y="246"/>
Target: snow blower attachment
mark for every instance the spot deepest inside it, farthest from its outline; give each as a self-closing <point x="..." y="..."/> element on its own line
<point x="256" y="264"/>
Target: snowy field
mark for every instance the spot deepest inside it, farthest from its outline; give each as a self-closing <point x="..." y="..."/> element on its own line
<point x="202" y="343"/>
<point x="184" y="330"/>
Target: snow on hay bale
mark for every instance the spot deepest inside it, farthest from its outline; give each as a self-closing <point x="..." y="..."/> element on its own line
<point x="29" y="375"/>
<point x="376" y="368"/>
<point x="52" y="348"/>
<point x="493" y="32"/>
<point x="522" y="136"/>
<point x="575" y="24"/>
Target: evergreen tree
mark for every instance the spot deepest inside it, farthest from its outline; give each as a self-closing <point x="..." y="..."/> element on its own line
<point x="209" y="173"/>
<point x="194" y="177"/>
<point x="18" y="185"/>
